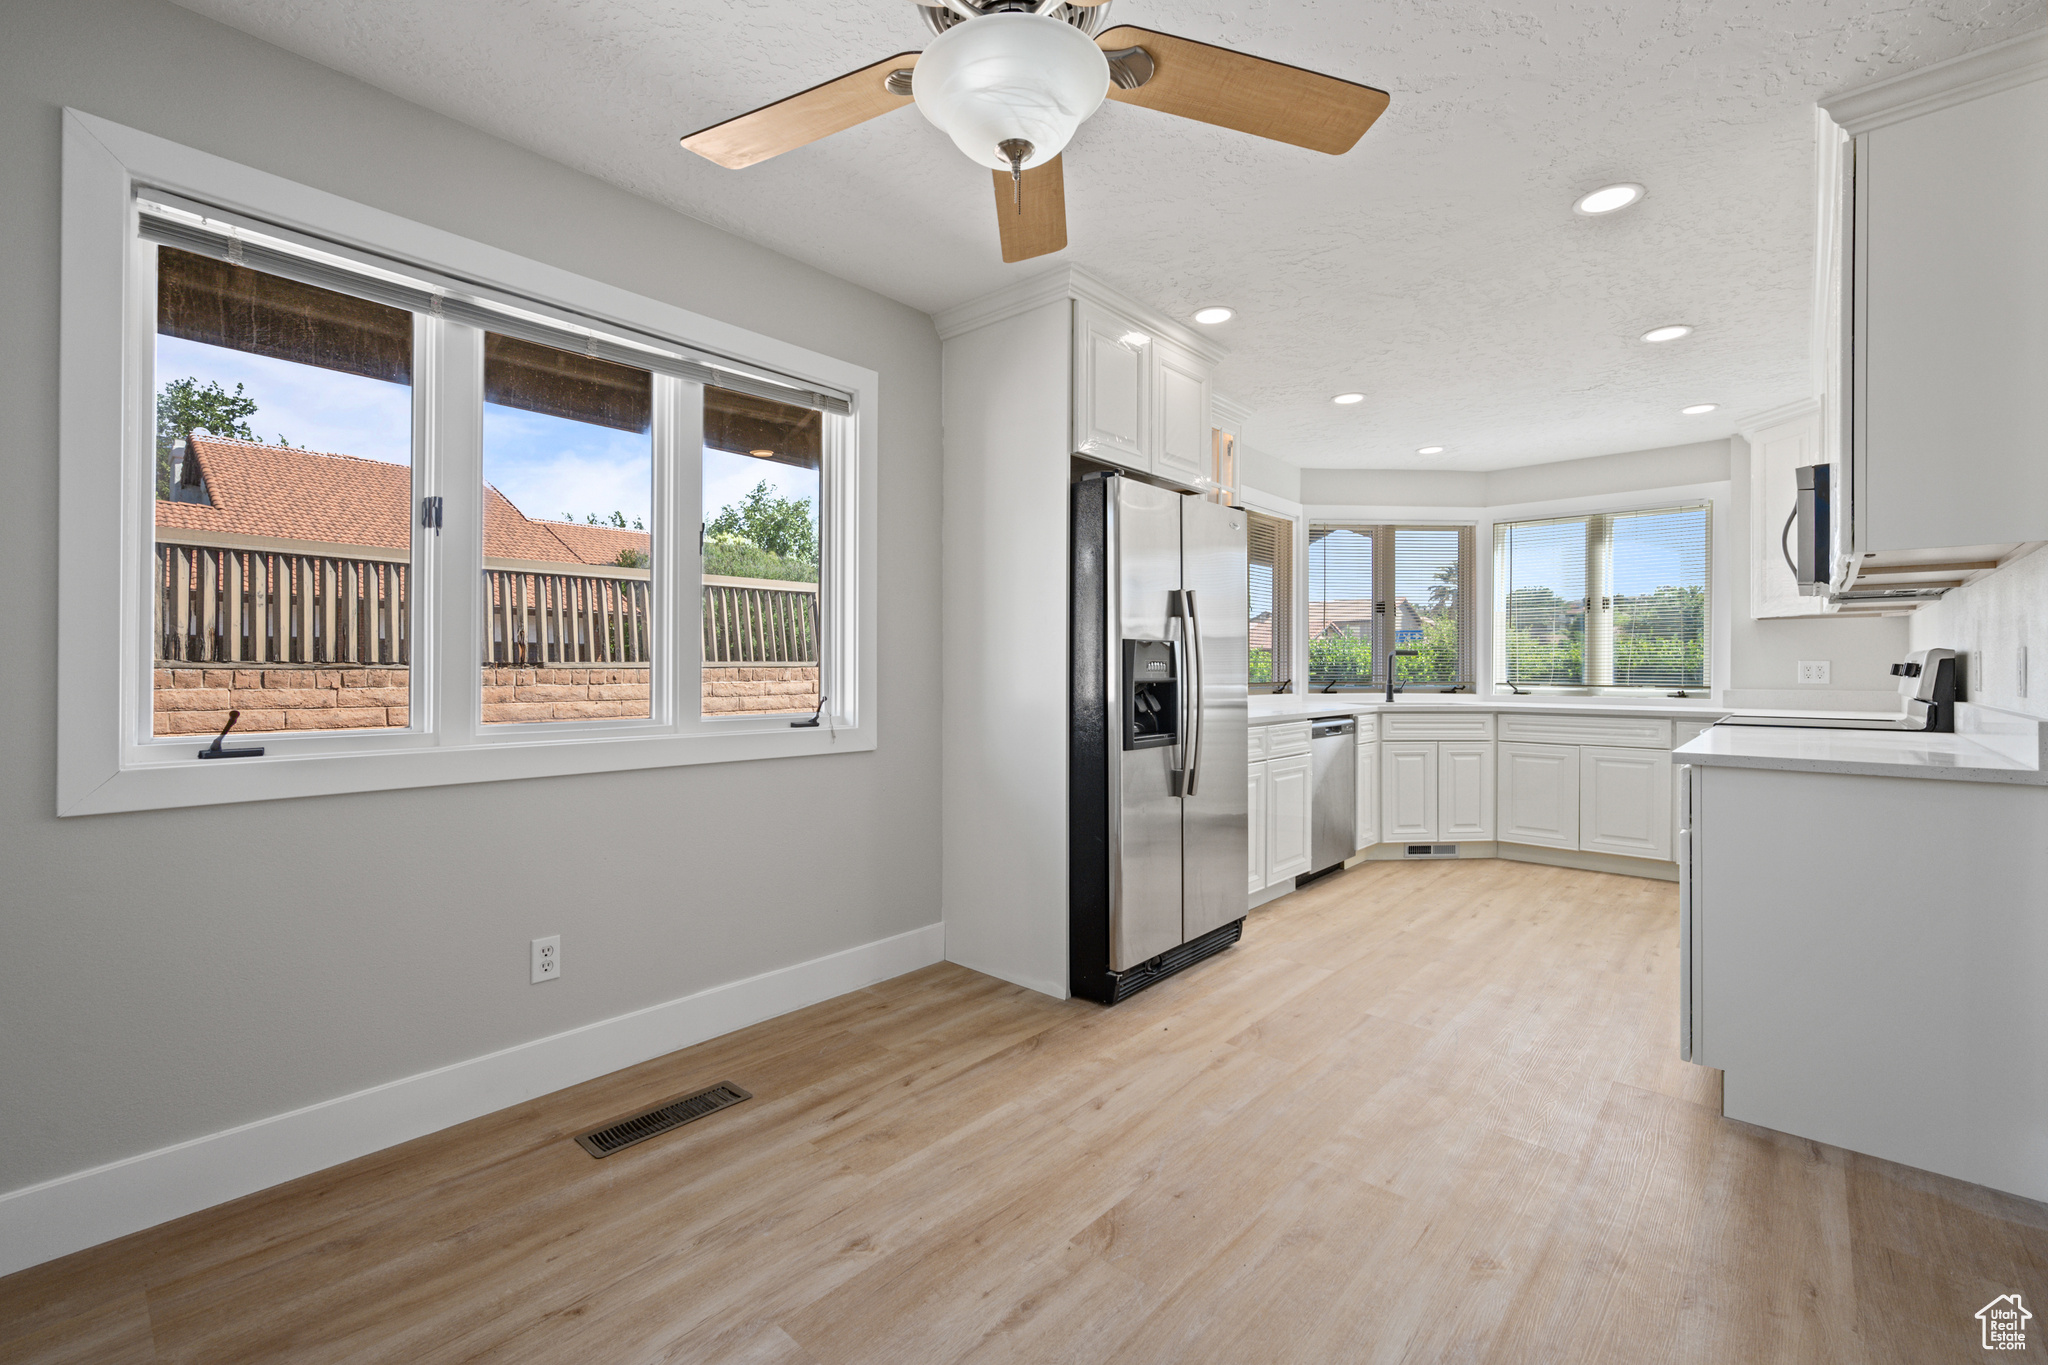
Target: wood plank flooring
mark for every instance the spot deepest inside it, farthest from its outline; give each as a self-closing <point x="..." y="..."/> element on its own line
<point x="1424" y="1112"/>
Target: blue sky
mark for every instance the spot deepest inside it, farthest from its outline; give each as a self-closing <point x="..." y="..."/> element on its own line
<point x="547" y="466"/>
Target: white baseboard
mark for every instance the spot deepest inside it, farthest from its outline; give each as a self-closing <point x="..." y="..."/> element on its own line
<point x="42" y="1222"/>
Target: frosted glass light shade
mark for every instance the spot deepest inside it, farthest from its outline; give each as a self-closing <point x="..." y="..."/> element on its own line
<point x="1005" y="76"/>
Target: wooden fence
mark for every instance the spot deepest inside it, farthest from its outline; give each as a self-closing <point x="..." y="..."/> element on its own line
<point x="219" y="605"/>
<point x="535" y="618"/>
<point x="223" y="605"/>
<point x="759" y="621"/>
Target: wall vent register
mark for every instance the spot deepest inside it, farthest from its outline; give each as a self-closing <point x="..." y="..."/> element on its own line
<point x="665" y="1117"/>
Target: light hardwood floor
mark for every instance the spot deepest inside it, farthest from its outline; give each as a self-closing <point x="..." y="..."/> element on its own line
<point x="1424" y="1112"/>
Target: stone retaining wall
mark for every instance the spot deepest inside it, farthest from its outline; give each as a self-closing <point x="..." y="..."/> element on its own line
<point x="196" y="701"/>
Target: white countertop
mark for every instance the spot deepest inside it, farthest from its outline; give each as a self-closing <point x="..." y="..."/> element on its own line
<point x="1269" y="709"/>
<point x="1988" y="746"/>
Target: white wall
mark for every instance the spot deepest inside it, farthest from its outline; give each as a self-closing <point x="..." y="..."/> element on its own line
<point x="1989" y="623"/>
<point x="1763" y="655"/>
<point x="171" y="974"/>
<point x="1262" y="473"/>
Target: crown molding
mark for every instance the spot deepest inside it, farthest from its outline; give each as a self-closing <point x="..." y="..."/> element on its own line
<point x="1756" y="423"/>
<point x="1068" y="282"/>
<point x="1231" y="416"/>
<point x="1987" y="71"/>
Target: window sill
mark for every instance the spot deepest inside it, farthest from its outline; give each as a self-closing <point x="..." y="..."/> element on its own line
<point x="160" y="775"/>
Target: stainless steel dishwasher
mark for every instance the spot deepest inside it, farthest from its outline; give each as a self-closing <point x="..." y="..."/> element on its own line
<point x="1334" y="803"/>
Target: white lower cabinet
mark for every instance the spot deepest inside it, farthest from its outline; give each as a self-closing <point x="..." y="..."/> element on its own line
<point x="1464" y="792"/>
<point x="1255" y="808"/>
<point x="1289" y="782"/>
<point x="1408" y="786"/>
<point x="1539" y="794"/>
<point x="1625" y="802"/>
<point x="1367" y="831"/>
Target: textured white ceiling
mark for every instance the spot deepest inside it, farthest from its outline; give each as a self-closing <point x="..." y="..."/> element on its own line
<point x="1437" y="268"/>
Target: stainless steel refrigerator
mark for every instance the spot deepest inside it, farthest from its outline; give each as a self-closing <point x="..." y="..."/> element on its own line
<point x="1157" y="799"/>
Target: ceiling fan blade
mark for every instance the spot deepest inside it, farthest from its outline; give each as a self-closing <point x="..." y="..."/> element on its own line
<point x="1250" y="94"/>
<point x="1034" y="221"/>
<point x="801" y="119"/>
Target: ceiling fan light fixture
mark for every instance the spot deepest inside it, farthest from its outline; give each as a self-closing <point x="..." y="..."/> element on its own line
<point x="1348" y="398"/>
<point x="1209" y="317"/>
<point x="1672" y="333"/>
<point x="1608" y="199"/>
<point x="1011" y="78"/>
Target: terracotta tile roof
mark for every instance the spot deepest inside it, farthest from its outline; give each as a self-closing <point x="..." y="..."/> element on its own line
<point x="286" y="493"/>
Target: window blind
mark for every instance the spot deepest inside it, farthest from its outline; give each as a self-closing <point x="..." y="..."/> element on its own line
<point x="1612" y="600"/>
<point x="1342" y="592"/>
<point x="1375" y="589"/>
<point x="1271" y="637"/>
<point x="190" y="227"/>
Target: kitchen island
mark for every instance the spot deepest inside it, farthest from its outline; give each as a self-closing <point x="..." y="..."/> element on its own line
<point x="1864" y="923"/>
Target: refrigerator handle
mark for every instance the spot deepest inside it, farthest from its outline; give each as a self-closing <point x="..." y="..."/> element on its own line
<point x="1191" y="633"/>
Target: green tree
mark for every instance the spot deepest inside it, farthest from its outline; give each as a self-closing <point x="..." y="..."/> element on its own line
<point x="781" y="526"/>
<point x="183" y="407"/>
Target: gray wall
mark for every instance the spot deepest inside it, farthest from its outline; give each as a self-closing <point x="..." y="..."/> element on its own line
<point x="174" y="973"/>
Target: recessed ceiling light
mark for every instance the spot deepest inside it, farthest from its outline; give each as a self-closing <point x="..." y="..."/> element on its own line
<point x="1671" y="333"/>
<point x="1349" y="398"/>
<point x="1607" y="199"/>
<point x="1430" y="450"/>
<point x="762" y="454"/>
<point x="1209" y="317"/>
<point x="1697" y="408"/>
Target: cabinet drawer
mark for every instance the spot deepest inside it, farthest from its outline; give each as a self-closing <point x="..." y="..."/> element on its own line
<point x="1615" y="731"/>
<point x="1256" y="742"/>
<point x="1282" y="741"/>
<point x="1435" y="725"/>
<point x="1368" y="728"/>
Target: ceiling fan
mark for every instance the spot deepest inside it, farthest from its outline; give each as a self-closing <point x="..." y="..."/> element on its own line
<point x="1010" y="80"/>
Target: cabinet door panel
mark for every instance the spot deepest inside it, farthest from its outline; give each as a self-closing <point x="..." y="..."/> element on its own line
<point x="1368" y="797"/>
<point x="1625" y="802"/>
<point x="1180" y="417"/>
<point x="1288" y="784"/>
<point x="1110" y="392"/>
<point x="1464" y="792"/>
<point x="1539" y="794"/>
<point x="1255" y="806"/>
<point x="1408" y="793"/>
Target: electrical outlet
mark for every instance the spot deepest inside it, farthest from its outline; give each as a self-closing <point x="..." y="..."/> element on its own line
<point x="1813" y="670"/>
<point x="547" y="958"/>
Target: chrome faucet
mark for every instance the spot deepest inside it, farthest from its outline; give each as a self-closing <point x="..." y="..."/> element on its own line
<point x="1391" y="666"/>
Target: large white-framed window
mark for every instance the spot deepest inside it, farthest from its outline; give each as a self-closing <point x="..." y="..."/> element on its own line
<point x="467" y="638"/>
<point x="1377" y="594"/>
<point x="1605" y="601"/>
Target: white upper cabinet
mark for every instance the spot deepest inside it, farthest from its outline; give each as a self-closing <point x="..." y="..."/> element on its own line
<point x="1185" y="445"/>
<point x="1947" y="183"/>
<point x="1539" y="794"/>
<point x="1141" y="400"/>
<point x="1625" y="802"/>
<point x="1111" y="396"/>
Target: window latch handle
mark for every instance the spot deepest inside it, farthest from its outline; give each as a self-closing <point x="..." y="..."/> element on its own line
<point x="430" y="513"/>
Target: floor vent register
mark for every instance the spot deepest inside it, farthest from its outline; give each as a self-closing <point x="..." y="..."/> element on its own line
<point x="666" y="1117"/>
